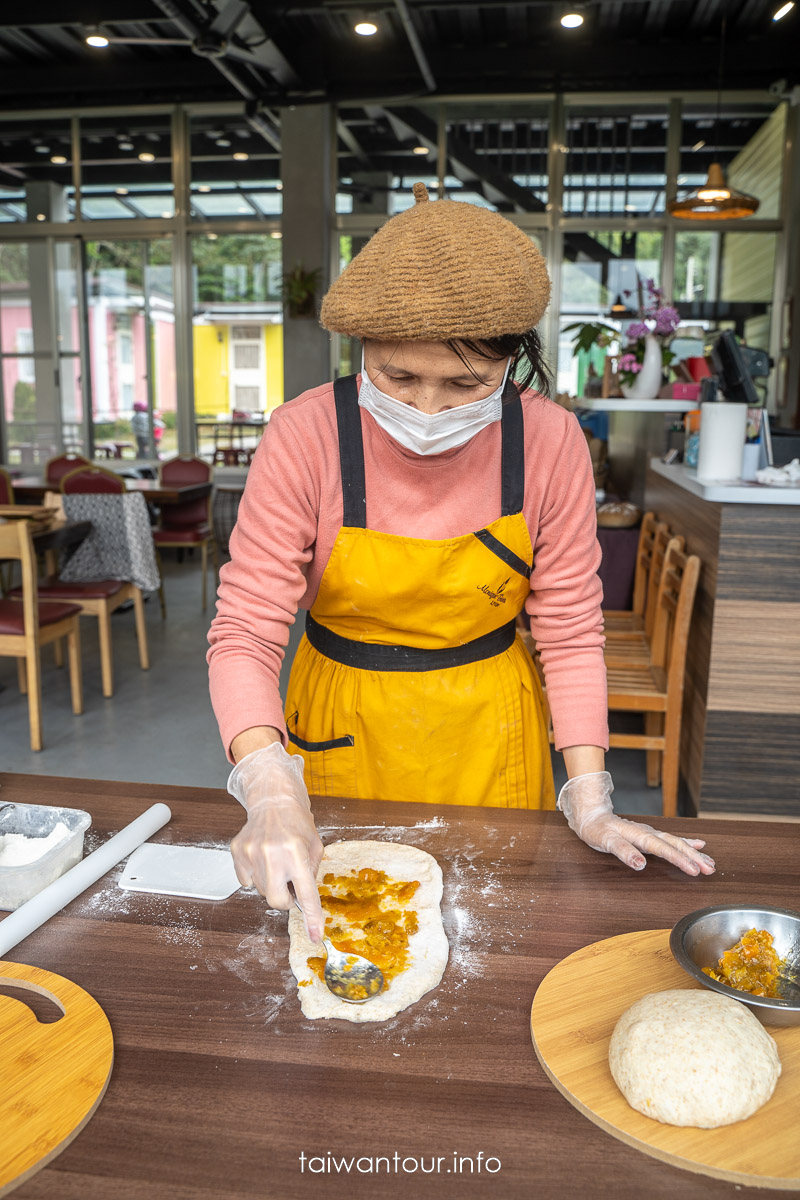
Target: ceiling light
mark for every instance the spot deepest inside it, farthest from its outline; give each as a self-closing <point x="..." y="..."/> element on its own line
<point x="244" y="208"/>
<point x="240" y="156"/>
<point x="121" y="191"/>
<point x="98" y="40"/>
<point x="276" y="233"/>
<point x="572" y="20"/>
<point x="42" y="149"/>
<point x="146" y="156"/>
<point x="212" y="237"/>
<point x="630" y="208"/>
<point x="698" y="146"/>
<point x="420" y="150"/>
<point x="618" y="307"/>
<point x="41" y="217"/>
<point x="223" y="143"/>
<point x="58" y="159"/>
<point x="715" y="200"/>
<point x="166" y="215"/>
<point x="366" y="27"/>
<point x="279" y="186"/>
<point x="783" y="10"/>
<point x="204" y="188"/>
<point x="126" y="145"/>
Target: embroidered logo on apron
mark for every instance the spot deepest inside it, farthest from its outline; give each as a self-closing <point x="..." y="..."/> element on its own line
<point x="495" y="598"/>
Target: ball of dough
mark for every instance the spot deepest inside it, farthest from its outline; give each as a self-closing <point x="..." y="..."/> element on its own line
<point x="693" y="1058"/>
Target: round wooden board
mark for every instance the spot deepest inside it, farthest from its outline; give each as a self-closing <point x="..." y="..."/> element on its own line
<point x="54" y="1074"/>
<point x="573" y="1015"/>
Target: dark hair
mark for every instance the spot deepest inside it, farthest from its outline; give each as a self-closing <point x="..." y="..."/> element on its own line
<point x="524" y="349"/>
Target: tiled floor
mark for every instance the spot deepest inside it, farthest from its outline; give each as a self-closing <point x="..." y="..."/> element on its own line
<point x="158" y="727"/>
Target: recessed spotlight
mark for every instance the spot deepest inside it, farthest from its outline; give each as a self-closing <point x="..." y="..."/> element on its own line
<point x="420" y="150"/>
<point x="279" y="186"/>
<point x="241" y="156"/>
<point x="783" y="10"/>
<point x="572" y="20"/>
<point x="203" y="187"/>
<point x="98" y="40"/>
<point x="41" y="217"/>
<point x="121" y="191"/>
<point x="244" y="208"/>
<point x="166" y="215"/>
<point x="223" y="143"/>
<point x="630" y="208"/>
<point x="276" y="233"/>
<point x="58" y="159"/>
<point x="212" y="237"/>
<point x="698" y="145"/>
<point x="146" y="156"/>
<point x="42" y="149"/>
<point x="366" y="28"/>
<point x="126" y="145"/>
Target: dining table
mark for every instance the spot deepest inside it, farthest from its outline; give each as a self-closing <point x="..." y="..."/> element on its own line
<point x="222" y="1090"/>
<point x="30" y="489"/>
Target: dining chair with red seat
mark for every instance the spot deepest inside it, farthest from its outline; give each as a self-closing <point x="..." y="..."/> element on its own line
<point x="101" y="597"/>
<point x="91" y="479"/>
<point x="28" y="623"/>
<point x="56" y="468"/>
<point x="188" y="523"/>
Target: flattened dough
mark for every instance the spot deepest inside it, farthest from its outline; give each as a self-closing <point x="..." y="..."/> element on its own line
<point x="693" y="1058"/>
<point x="428" y="947"/>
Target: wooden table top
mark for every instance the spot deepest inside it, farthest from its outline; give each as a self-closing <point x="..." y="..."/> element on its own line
<point x="220" y="1084"/>
<point x="33" y="487"/>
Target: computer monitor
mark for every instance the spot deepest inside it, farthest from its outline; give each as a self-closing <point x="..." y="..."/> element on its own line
<point x="728" y="364"/>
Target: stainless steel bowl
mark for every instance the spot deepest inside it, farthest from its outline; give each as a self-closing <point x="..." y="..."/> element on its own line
<point x="700" y="938"/>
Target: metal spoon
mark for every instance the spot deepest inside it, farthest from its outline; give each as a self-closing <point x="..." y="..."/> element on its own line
<point x="349" y="976"/>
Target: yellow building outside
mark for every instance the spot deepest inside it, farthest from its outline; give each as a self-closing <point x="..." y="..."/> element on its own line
<point x="237" y="365"/>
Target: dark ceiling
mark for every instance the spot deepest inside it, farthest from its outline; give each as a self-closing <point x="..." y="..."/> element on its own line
<point x="277" y="53"/>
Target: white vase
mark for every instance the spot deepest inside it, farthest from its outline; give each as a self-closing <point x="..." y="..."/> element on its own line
<point x="647" y="383"/>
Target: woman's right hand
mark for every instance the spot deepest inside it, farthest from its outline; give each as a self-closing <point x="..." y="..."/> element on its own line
<point x="279" y="843"/>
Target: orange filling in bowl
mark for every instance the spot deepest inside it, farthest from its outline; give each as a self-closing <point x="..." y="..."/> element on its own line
<point x="369" y="914"/>
<point x="752" y="965"/>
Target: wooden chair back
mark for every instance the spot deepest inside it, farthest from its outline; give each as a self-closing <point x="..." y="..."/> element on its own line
<point x="644" y="561"/>
<point x="56" y="468"/>
<point x="16" y="545"/>
<point x="676" y="595"/>
<point x="91" y="479"/>
<point x="6" y="488"/>
<point x="661" y="541"/>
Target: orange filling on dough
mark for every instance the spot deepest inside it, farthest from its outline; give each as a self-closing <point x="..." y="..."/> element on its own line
<point x="367" y="915"/>
<point x="752" y="965"/>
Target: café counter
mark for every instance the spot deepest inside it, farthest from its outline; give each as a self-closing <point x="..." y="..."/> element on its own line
<point x="740" y="751"/>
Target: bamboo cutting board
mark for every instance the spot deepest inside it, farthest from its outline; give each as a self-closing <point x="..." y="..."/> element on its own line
<point x="53" y="1075"/>
<point x="574" y="1012"/>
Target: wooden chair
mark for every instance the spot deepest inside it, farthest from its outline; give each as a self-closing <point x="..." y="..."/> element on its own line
<point x="56" y="468"/>
<point x="27" y="624"/>
<point x="620" y="619"/>
<point x="632" y="646"/>
<point x="99" y="598"/>
<point x="655" y="688"/>
<point x="186" y="525"/>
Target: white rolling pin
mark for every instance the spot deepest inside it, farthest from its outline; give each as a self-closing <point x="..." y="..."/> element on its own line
<point x="50" y="900"/>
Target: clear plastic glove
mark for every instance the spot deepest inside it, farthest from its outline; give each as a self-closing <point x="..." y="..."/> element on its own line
<point x="279" y="843"/>
<point x="586" y="803"/>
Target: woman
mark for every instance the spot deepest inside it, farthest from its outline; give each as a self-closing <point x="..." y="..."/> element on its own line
<point x="414" y="512"/>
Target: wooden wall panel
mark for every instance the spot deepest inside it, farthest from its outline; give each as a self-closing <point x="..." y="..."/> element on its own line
<point x="760" y="553"/>
<point x="756" y="660"/>
<point x="747" y="768"/>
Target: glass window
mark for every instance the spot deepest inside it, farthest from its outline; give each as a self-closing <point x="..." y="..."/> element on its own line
<point x="616" y="161"/>
<point x="126" y="167"/>
<point x="238" y="341"/>
<point x="36" y="170"/>
<point x="749" y="142"/>
<point x="497" y="155"/>
<point x="381" y="153"/>
<point x="235" y="169"/>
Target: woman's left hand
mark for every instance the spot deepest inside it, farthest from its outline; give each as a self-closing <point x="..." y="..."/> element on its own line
<point x="585" y="801"/>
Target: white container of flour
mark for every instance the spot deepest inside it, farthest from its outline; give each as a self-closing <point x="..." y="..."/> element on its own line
<point x="38" y="843"/>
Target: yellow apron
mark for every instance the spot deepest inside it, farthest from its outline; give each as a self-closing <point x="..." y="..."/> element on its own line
<point x="411" y="682"/>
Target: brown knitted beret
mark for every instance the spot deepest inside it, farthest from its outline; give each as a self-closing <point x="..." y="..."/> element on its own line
<point x="440" y="270"/>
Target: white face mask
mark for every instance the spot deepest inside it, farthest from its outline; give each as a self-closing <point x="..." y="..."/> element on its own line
<point x="424" y="434"/>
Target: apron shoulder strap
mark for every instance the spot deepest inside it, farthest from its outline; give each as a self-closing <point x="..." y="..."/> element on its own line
<point x="351" y="453"/>
<point x="513" y="452"/>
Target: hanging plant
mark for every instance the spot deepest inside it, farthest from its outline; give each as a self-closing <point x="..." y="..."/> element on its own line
<point x="300" y="290"/>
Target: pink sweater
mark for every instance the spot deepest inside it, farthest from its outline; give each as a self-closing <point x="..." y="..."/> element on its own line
<point x="291" y="512"/>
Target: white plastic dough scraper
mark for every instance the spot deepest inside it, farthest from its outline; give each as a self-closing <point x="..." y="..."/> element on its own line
<point x="195" y="871"/>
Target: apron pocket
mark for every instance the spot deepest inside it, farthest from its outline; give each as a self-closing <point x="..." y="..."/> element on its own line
<point x="329" y="765"/>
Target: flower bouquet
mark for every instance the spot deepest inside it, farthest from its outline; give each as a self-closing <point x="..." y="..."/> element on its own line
<point x="646" y="352"/>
